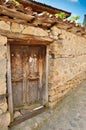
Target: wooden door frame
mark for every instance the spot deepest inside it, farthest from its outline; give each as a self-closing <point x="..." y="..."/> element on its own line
<point x="9" y="82"/>
<point x="45" y="102"/>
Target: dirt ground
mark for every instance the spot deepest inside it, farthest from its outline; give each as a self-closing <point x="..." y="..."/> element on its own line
<point x="70" y="114"/>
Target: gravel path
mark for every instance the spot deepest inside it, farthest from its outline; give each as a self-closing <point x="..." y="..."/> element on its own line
<point x="70" y="113"/>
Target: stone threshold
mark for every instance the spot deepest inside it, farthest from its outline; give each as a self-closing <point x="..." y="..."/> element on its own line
<point x="32" y="123"/>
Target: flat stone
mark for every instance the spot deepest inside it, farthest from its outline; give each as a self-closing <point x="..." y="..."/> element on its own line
<point x="3" y="40"/>
<point x="15" y="27"/>
<point x="17" y="114"/>
<point x="3" y="51"/>
<point x="4" y="120"/>
<point x="4" y="26"/>
<point x="35" y="31"/>
<point x="2" y="87"/>
<point x="2" y="67"/>
<point x="3" y="106"/>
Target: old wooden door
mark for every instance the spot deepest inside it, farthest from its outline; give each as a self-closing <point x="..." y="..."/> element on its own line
<point x="28" y="75"/>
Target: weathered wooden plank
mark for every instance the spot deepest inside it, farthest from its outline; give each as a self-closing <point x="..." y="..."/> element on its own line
<point x="28" y="42"/>
<point x="45" y="20"/>
<point x="9" y="84"/>
<point x="15" y="14"/>
<point x="17" y="74"/>
<point x="45" y="93"/>
<point x="41" y="8"/>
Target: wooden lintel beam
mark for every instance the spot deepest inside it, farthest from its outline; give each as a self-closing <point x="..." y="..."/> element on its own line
<point x="15" y="14"/>
<point x="27" y="42"/>
<point x="28" y="37"/>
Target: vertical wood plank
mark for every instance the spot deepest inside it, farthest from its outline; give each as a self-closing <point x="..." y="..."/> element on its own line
<point x="9" y="84"/>
<point x="45" y="102"/>
<point x="46" y="89"/>
<point x="24" y="90"/>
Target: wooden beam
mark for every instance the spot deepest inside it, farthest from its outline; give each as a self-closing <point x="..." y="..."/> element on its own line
<point x="28" y="42"/>
<point x="26" y="37"/>
<point x="46" y="20"/>
<point x="9" y="84"/>
<point x="39" y="7"/>
<point x="23" y="22"/>
<point x="45" y="96"/>
<point x="15" y="14"/>
<point x="19" y="21"/>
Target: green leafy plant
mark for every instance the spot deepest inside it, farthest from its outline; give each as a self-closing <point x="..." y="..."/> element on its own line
<point x="74" y="18"/>
<point x="16" y="2"/>
<point x="61" y="15"/>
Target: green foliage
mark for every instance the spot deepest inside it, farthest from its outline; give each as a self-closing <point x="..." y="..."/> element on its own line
<point x="61" y="15"/>
<point x="16" y="2"/>
<point x="74" y="18"/>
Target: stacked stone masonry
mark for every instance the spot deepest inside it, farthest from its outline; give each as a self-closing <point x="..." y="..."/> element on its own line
<point x="4" y="114"/>
<point x="67" y="62"/>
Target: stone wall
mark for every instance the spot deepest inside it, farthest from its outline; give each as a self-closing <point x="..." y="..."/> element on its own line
<point x="23" y="29"/>
<point x="4" y="115"/>
<point x="67" y="64"/>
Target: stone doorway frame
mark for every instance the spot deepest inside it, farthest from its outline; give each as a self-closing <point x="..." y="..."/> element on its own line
<point x="9" y="83"/>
